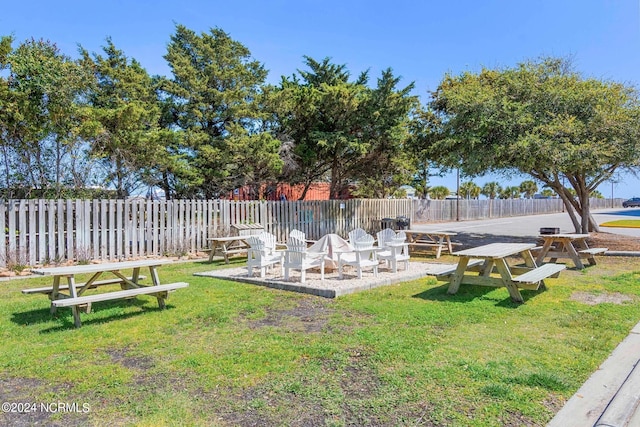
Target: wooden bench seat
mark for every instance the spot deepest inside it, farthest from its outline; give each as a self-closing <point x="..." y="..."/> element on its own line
<point x="472" y="263"/>
<point x="49" y="289"/>
<point x="428" y="244"/>
<point x="539" y="273"/>
<point x="234" y="250"/>
<point x="146" y="290"/>
<point x="593" y="251"/>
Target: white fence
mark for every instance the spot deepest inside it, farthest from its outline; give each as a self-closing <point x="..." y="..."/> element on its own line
<point x="450" y="210"/>
<point x="46" y="231"/>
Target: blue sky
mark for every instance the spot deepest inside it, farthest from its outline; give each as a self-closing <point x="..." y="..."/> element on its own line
<point x="419" y="40"/>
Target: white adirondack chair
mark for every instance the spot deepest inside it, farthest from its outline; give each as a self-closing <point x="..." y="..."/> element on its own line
<point x="261" y="255"/>
<point x="364" y="255"/>
<point x="395" y="248"/>
<point x="298" y="258"/>
<point x="385" y="236"/>
<point x="298" y="235"/>
<point x="269" y="240"/>
<point x="356" y="234"/>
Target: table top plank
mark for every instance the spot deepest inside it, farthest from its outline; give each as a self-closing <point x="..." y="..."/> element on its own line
<point x="227" y="238"/>
<point x="93" y="268"/>
<point x="496" y="250"/>
<point x="571" y="236"/>
<point x="433" y="233"/>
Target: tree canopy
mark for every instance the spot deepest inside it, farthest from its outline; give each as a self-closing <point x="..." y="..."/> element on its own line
<point x="214" y="125"/>
<point x="216" y="92"/>
<point x="542" y="119"/>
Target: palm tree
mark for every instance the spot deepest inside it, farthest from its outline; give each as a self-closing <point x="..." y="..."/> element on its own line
<point x="491" y="189"/>
<point x="547" y="192"/>
<point x="528" y="188"/>
<point x="469" y="190"/>
<point x="439" y="192"/>
<point x="510" y="193"/>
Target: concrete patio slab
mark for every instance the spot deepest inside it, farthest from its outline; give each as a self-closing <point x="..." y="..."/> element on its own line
<point x="332" y="286"/>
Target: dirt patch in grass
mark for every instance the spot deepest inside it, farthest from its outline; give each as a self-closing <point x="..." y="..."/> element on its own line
<point x="24" y="410"/>
<point x="123" y="356"/>
<point x="309" y="315"/>
<point x="262" y="406"/>
<point x="615" y="242"/>
<point x="594" y="299"/>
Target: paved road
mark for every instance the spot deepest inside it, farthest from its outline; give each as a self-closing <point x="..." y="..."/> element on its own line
<point x="530" y="225"/>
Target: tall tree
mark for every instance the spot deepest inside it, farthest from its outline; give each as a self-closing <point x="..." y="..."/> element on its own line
<point x="424" y="131"/>
<point x="510" y="193"/>
<point x="388" y="162"/>
<point x="174" y="171"/>
<point x="126" y="115"/>
<point x="217" y="90"/>
<point x="318" y="110"/>
<point x="42" y="117"/>
<point x="491" y="190"/>
<point x="439" y="192"/>
<point x="543" y="119"/>
<point x="528" y="188"/>
<point x="344" y="131"/>
<point x="470" y="190"/>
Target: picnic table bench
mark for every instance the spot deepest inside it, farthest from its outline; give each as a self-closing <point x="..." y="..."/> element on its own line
<point x="130" y="285"/>
<point x="439" y="241"/>
<point x="234" y="244"/>
<point x="227" y="246"/>
<point x="493" y="257"/>
<point x="568" y="246"/>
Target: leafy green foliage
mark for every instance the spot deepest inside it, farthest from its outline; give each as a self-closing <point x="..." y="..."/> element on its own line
<point x="542" y="119"/>
<point x="42" y="118"/>
<point x="491" y="189"/>
<point x="470" y="190"/>
<point x="216" y="98"/>
<point x="510" y="193"/>
<point x="345" y="131"/>
<point x="126" y="117"/>
<point x="528" y="188"/>
<point x="439" y="192"/>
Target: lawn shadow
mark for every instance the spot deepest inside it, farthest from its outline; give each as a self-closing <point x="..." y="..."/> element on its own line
<point x="469" y="293"/>
<point x="43" y="315"/>
<point x="219" y="262"/>
<point x="467" y="240"/>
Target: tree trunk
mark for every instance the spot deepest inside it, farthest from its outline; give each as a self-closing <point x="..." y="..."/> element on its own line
<point x="333" y="188"/>
<point x="585" y="214"/>
<point x="307" y="185"/>
<point x="566" y="199"/>
<point x="164" y="184"/>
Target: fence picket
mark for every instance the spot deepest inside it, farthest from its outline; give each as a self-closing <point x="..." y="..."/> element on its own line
<point x="39" y="231"/>
<point x="3" y="233"/>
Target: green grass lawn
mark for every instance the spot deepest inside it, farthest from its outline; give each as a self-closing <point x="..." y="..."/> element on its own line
<point x="227" y="353"/>
<point x="622" y="223"/>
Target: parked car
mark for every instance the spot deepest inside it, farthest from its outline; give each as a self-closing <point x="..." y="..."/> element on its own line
<point x="631" y="203"/>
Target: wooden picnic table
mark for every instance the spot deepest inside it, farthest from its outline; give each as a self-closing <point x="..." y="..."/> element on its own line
<point x="71" y="294"/>
<point x="476" y="265"/>
<point x="227" y="246"/>
<point x="437" y="240"/>
<point x="568" y="246"/>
